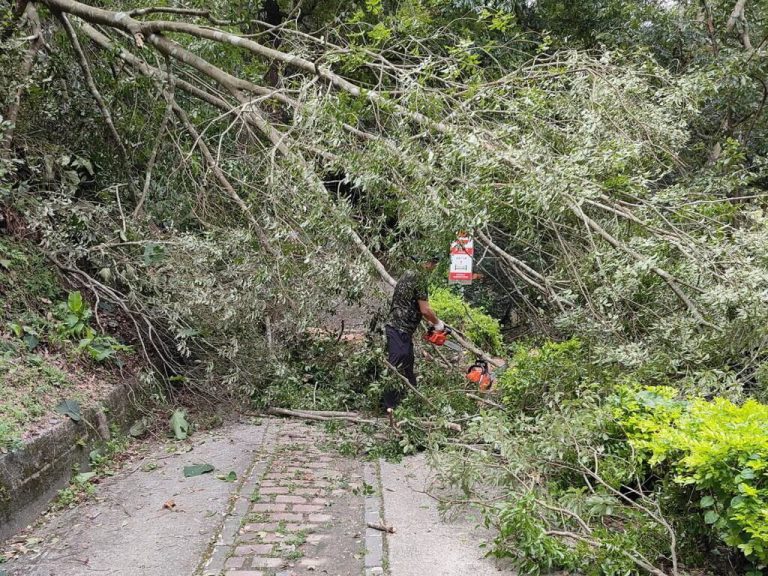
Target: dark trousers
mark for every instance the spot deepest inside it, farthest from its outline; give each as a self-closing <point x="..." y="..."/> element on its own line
<point x="400" y="355"/>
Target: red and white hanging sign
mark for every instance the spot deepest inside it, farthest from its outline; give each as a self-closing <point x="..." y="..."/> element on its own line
<point x="462" y="250"/>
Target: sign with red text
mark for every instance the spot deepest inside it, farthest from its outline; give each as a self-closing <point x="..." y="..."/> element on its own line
<point x="462" y="250"/>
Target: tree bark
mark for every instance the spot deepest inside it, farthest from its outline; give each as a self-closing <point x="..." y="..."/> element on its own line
<point x="12" y="113"/>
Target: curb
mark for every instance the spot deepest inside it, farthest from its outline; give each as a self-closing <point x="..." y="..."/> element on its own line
<point x="375" y="541"/>
<point x="31" y="476"/>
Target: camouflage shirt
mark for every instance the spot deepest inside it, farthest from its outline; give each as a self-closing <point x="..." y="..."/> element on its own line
<point x="404" y="313"/>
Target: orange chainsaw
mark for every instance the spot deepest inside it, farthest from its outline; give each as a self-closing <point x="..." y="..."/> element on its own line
<point x="480" y="374"/>
<point x="440" y="338"/>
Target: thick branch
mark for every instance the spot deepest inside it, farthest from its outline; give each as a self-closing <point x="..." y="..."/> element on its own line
<point x="710" y="24"/>
<point x="207" y="14"/>
<point x="738" y="16"/>
<point x="318" y="415"/>
<point x="152" y="30"/>
<point x="151" y="71"/>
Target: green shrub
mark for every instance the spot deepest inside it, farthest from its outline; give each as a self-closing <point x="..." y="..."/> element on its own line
<point x="479" y="327"/>
<point x="644" y="412"/>
<point x="540" y="377"/>
<point x="717" y="447"/>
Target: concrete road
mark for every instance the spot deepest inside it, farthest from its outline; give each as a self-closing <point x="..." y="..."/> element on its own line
<point x="424" y="544"/>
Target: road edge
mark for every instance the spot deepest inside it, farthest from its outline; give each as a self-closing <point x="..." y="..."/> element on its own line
<point x="375" y="540"/>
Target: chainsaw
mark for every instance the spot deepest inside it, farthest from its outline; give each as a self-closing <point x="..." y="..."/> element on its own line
<point x="480" y="374"/>
<point x="440" y="338"/>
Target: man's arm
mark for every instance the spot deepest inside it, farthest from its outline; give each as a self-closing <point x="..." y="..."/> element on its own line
<point x="428" y="314"/>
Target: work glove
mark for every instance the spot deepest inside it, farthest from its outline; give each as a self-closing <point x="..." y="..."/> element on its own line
<point x="440" y="326"/>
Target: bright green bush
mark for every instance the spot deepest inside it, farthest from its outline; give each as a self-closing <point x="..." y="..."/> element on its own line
<point x="481" y="328"/>
<point x="719" y="448"/>
<point x="644" y="412"/>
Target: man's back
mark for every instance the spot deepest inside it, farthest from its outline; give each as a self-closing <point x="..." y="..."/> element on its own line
<point x="404" y="313"/>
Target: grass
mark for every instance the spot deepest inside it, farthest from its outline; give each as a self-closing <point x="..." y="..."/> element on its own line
<point x="30" y="385"/>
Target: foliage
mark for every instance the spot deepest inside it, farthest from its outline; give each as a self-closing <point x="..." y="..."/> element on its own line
<point x="544" y="377"/>
<point x="551" y="485"/>
<point x="481" y="328"/>
<point x="718" y="447"/>
<point x="645" y="412"/>
<point x="72" y="322"/>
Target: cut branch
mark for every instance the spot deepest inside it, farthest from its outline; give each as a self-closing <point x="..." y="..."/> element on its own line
<point x="319" y="415"/>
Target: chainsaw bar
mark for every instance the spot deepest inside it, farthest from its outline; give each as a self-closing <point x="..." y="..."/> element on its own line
<point x="453" y="346"/>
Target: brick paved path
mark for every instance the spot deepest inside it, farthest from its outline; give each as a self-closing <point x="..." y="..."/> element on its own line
<point x="298" y="511"/>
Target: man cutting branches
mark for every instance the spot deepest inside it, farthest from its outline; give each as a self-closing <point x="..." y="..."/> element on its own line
<point x="410" y="303"/>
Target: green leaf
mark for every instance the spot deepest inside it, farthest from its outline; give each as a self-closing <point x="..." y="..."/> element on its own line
<point x="231" y="477"/>
<point x="747" y="474"/>
<point x="179" y="424"/>
<point x="70" y="408"/>
<point x="83" y="477"/>
<point x="85" y="163"/>
<point x="31" y="341"/>
<point x="16" y="329"/>
<point x="75" y="302"/>
<point x="707" y="501"/>
<point x="197" y="469"/>
<point x="711" y="517"/>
